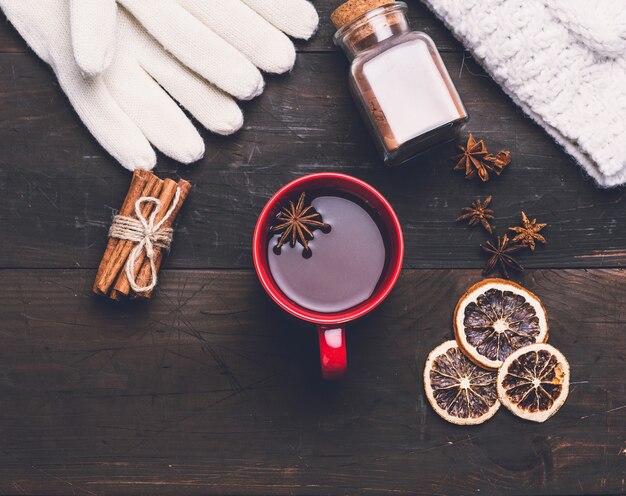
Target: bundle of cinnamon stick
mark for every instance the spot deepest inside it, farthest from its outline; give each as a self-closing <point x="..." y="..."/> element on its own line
<point x="111" y="279"/>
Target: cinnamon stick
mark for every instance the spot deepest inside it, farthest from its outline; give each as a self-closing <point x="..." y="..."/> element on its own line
<point x="111" y="277"/>
<point x="123" y="247"/>
<point x="137" y="184"/>
<point x="152" y="190"/>
<point x="168" y="191"/>
<point x="144" y="272"/>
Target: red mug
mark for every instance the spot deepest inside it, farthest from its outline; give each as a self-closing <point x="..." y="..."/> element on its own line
<point x="330" y="326"/>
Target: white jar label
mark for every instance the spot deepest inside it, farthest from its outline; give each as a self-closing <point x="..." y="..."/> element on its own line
<point x="411" y="91"/>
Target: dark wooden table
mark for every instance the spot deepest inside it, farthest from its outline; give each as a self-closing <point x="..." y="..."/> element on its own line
<point x="209" y="388"/>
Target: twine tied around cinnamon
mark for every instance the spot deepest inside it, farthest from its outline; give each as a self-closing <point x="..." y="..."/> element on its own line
<point x="147" y="235"/>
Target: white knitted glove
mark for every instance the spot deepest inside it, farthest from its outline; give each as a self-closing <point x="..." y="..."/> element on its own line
<point x="125" y="107"/>
<point x="563" y="62"/>
<point x="254" y="27"/>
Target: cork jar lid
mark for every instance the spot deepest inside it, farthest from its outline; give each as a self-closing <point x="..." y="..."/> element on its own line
<point x="352" y="9"/>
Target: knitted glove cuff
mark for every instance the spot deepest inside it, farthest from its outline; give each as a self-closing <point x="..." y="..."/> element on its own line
<point x="571" y="91"/>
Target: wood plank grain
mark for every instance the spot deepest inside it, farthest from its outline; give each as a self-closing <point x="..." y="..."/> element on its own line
<point x="60" y="188"/>
<point x="10" y="40"/>
<point x="209" y="389"/>
<point x="419" y="18"/>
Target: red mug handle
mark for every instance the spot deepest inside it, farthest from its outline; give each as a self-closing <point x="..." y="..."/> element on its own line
<point x="332" y="351"/>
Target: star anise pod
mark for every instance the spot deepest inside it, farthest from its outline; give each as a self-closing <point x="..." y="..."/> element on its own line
<point x="478" y="213"/>
<point x="497" y="163"/>
<point x="528" y="234"/>
<point x="501" y="256"/>
<point x="472" y="159"/>
<point x="296" y="224"/>
<point x="477" y="161"/>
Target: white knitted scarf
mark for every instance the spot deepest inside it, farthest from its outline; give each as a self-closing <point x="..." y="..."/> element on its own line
<point x="563" y="62"/>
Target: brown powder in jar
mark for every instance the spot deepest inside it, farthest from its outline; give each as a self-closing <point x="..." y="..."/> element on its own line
<point x="390" y="142"/>
<point x="421" y="86"/>
<point x="363" y="36"/>
<point x="401" y="85"/>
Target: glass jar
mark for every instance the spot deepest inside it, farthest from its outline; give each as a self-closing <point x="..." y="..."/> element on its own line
<point x="398" y="80"/>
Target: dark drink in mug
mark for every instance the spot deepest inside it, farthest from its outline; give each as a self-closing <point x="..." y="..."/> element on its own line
<point x="328" y="249"/>
<point x="345" y="264"/>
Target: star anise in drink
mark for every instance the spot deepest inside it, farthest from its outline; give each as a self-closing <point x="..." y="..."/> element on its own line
<point x="296" y="224"/>
<point x="478" y="213"/>
<point x="501" y="256"/>
<point x="528" y="233"/>
<point x="477" y="161"/>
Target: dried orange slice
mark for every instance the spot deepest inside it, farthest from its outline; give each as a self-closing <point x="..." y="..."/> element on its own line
<point x="496" y="317"/>
<point x="457" y="389"/>
<point x="533" y="382"/>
